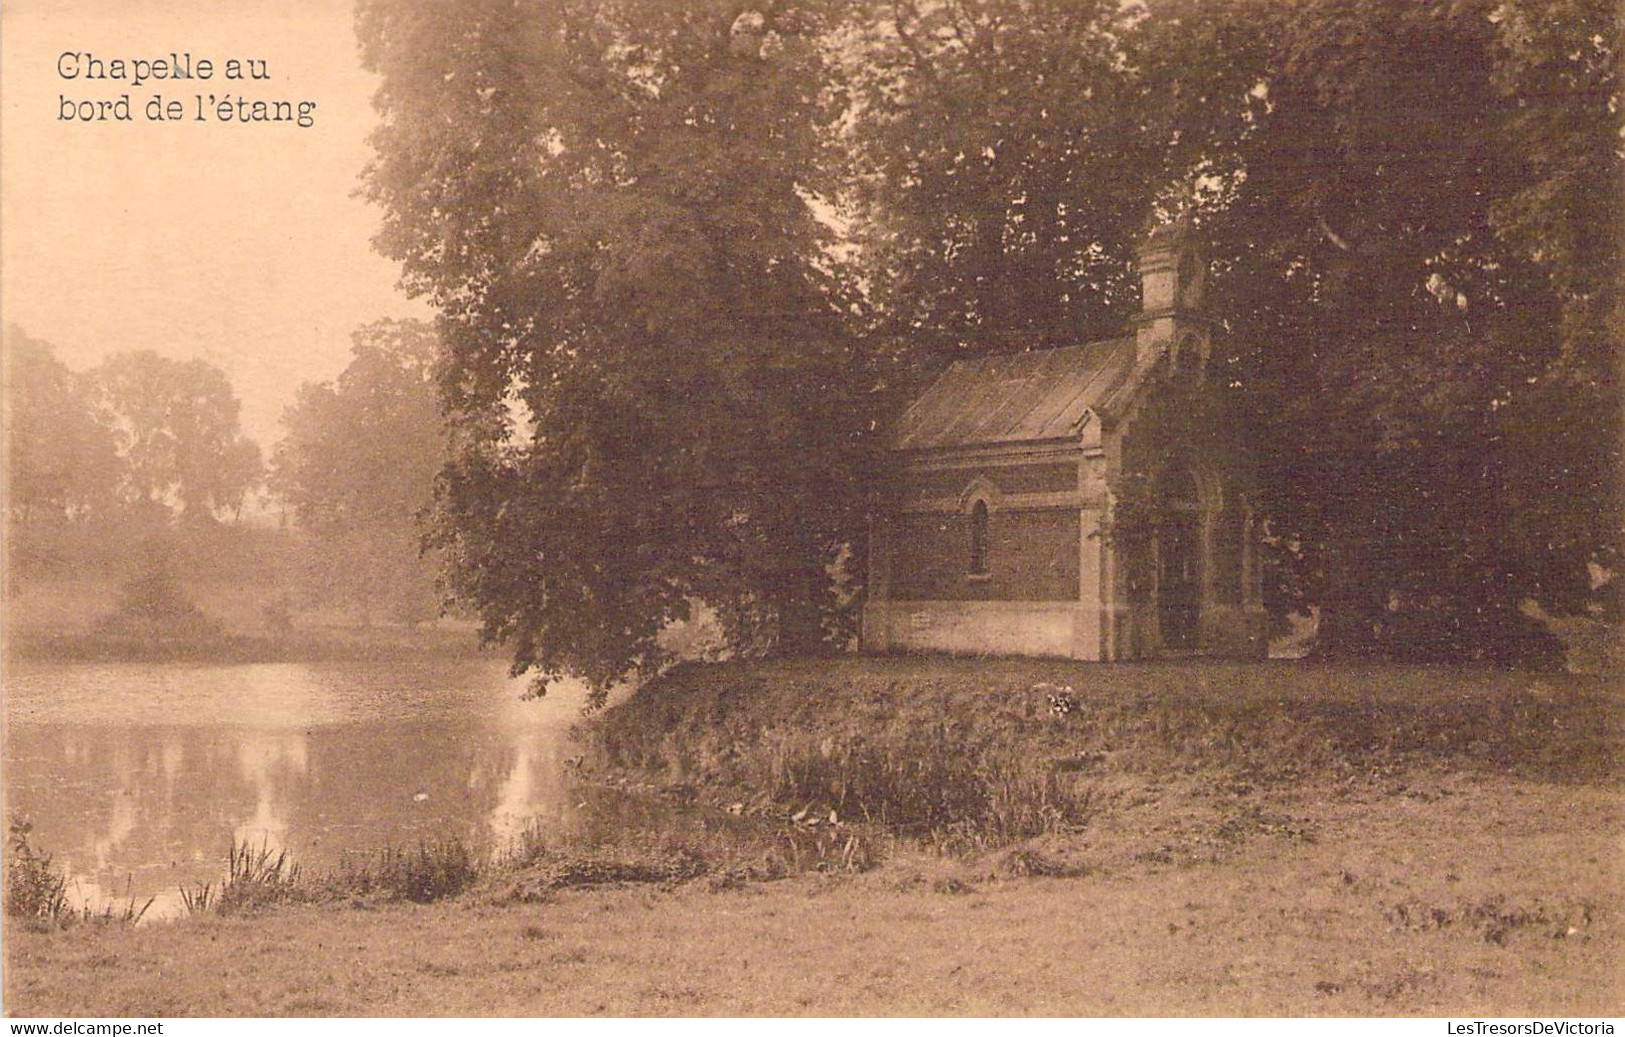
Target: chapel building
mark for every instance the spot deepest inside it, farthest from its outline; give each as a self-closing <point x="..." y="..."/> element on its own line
<point x="1087" y="502"/>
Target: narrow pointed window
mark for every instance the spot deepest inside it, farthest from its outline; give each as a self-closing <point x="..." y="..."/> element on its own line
<point x="978" y="538"/>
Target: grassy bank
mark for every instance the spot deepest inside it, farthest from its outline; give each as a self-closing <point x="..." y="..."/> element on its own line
<point x="986" y="752"/>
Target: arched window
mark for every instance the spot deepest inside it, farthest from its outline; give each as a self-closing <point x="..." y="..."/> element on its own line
<point x="978" y="538"/>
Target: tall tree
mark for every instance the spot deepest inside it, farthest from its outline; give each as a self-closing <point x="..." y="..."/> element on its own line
<point x="358" y="464"/>
<point x="1422" y="260"/>
<point x="61" y="457"/>
<point x="609" y="205"/>
<point x="179" y="439"/>
<point x="1006" y="157"/>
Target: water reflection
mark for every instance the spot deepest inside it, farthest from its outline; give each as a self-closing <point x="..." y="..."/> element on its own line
<point x="137" y="777"/>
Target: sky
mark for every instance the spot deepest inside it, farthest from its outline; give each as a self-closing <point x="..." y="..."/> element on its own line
<point x="241" y="244"/>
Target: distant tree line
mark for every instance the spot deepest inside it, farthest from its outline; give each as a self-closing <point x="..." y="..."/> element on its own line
<point x="140" y="432"/>
<point x="129" y="467"/>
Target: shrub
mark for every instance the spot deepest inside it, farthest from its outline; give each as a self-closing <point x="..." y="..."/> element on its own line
<point x="436" y="870"/>
<point x="152" y="605"/>
<point x="35" y="889"/>
<point x="259" y="877"/>
<point x="932" y="783"/>
<point x="37" y="892"/>
<point x="255" y="878"/>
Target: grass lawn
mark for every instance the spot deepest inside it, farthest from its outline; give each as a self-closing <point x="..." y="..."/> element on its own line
<point x="1278" y="840"/>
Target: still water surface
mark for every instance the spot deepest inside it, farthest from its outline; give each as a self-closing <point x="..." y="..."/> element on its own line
<point x="138" y="776"/>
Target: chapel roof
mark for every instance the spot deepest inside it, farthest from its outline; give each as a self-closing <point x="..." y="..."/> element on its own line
<point x="1016" y="397"/>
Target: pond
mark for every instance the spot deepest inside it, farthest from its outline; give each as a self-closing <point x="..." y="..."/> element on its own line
<point x="137" y="777"/>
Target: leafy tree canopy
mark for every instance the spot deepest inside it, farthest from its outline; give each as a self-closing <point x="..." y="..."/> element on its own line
<point x="1423" y="289"/>
<point x="178" y="434"/>
<point x="1006" y="157"/>
<point x="683" y="255"/>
